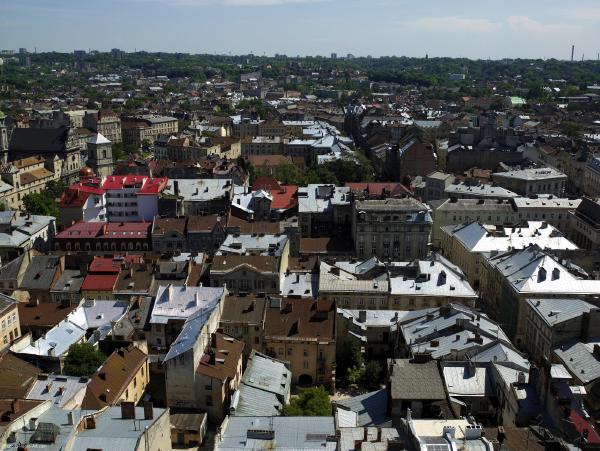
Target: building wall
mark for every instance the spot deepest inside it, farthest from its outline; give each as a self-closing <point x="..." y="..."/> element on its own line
<point x="158" y="436"/>
<point x="10" y="328"/>
<point x="311" y="357"/>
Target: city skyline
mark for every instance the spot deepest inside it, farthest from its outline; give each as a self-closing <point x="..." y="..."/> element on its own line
<point x="465" y="28"/>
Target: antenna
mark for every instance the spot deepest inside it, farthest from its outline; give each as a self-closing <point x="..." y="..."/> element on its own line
<point x="572" y="52"/>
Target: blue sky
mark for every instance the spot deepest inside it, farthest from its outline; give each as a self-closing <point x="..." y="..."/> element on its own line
<point x="470" y="28"/>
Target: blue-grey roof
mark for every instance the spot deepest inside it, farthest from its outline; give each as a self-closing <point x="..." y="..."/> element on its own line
<point x="54" y="418"/>
<point x="580" y="360"/>
<point x="556" y="311"/>
<point x="189" y="333"/>
<point x="289" y="433"/>
<point x="113" y="433"/>
<point x="58" y="389"/>
<point x="370" y="408"/>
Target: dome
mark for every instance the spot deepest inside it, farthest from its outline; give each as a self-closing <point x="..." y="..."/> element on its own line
<point x="86" y="172"/>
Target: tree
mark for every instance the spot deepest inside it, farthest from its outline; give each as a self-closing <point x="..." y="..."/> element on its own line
<point x="41" y="204"/>
<point x="83" y="360"/>
<point x="348" y="359"/>
<point x="372" y="374"/>
<point x="312" y="402"/>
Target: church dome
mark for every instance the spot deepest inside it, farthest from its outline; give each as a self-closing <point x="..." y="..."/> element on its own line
<point x="86" y="172"/>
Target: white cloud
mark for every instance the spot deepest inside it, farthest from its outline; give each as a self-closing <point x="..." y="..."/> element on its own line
<point x="524" y="23"/>
<point x="453" y="23"/>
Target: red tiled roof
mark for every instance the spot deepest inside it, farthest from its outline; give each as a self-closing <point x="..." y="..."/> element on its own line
<point x="284" y="196"/>
<point x="101" y="265"/>
<point x="582" y="424"/>
<point x="126" y="230"/>
<point x="145" y="184"/>
<point x="99" y="282"/>
<point x="82" y="230"/>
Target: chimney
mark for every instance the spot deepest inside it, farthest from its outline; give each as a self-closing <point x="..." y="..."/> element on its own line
<point x="362" y="316"/>
<point x="127" y="410"/>
<point x="176" y="187"/>
<point x="90" y="422"/>
<point x="148" y="411"/>
<point x="33" y="424"/>
<point x="70" y="418"/>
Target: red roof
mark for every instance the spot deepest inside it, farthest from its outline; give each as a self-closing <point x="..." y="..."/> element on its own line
<point x="99" y="282"/>
<point x="73" y="197"/>
<point x="126" y="230"/>
<point x="582" y="424"/>
<point x="82" y="230"/>
<point x="101" y="265"/>
<point x="145" y="185"/>
<point x="284" y="196"/>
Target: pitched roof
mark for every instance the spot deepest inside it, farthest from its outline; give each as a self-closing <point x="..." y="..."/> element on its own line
<point x="418" y="381"/>
<point x="16" y="376"/>
<point x="108" y="383"/>
<point x="261" y="263"/>
<point x="300" y="319"/>
<point x="222" y="361"/>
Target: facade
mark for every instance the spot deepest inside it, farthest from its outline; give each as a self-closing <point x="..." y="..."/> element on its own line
<point x="436" y="184"/>
<point x="396" y="229"/>
<point x="147" y="128"/>
<point x="248" y="273"/>
<point x="584" y="224"/>
<point x="104" y="122"/>
<point x="199" y="196"/>
<point x="205" y="233"/>
<point x="101" y="237"/>
<point x="29" y="175"/>
<point x="591" y="178"/>
<point x="169" y="235"/>
<point x="243" y="318"/>
<point x="527" y="182"/>
<point x="324" y="210"/>
<point x="552" y="322"/>
<point x="10" y="328"/>
<point x="19" y="234"/>
<point x="302" y="332"/>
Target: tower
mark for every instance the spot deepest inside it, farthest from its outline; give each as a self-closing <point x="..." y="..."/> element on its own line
<point x="100" y="155"/>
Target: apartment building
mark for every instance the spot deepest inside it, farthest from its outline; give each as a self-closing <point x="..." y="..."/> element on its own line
<point x="10" y="328"/>
<point x="147" y="128"/>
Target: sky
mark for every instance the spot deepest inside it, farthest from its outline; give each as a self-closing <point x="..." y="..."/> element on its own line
<point x="456" y="28"/>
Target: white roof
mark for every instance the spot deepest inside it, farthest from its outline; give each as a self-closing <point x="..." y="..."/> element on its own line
<point x="476" y="237"/>
<point x="244" y="244"/>
<point x="181" y="302"/>
<point x="98" y="139"/>
<point x="462" y="380"/>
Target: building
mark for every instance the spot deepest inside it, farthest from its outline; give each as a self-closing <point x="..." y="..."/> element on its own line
<point x="433" y="282"/>
<point x="264" y="388"/>
<point x="475" y="189"/>
<point x="552" y="322"/>
<point x="115" y="427"/>
<point x="248" y="273"/>
<point x="464" y="244"/>
<point x="147" y="128"/>
<point x="324" y="210"/>
<point x="302" y="331"/>
<point x="584" y="224"/>
<point x="510" y="278"/>
<point x="277" y="433"/>
<point x="415" y="390"/>
<point x="100" y="158"/>
<point x="262" y="145"/>
<point x="205" y="233"/>
<point x="169" y="235"/>
<point x="172" y="308"/>
<point x="65" y="391"/>
<point x="555" y="211"/>
<point x="391" y="229"/>
<point x="104" y="122"/>
<point x="21" y="233"/>
<point x="29" y="175"/>
<point x="101" y="237"/>
<point x="41" y="274"/>
<point x="82" y="202"/>
<point x="528" y="182"/>
<point x="244" y="319"/>
<point x="218" y="376"/>
<point x="48" y="143"/>
<point x="198" y="196"/>
<point x="435" y="185"/>
<point x="591" y="178"/>
<point x="10" y="328"/>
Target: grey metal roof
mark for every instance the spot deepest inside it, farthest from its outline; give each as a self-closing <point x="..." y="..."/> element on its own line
<point x="114" y="433"/>
<point x="58" y="389"/>
<point x="70" y="281"/>
<point x="556" y="311"/>
<point x="370" y="408"/>
<point x="189" y="333"/>
<point x="55" y="417"/>
<point x="40" y="272"/>
<point x="580" y="359"/>
<point x="416" y="381"/>
<point x="289" y="434"/>
<point x="10" y="270"/>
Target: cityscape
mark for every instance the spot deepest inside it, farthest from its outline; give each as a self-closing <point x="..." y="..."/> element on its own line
<point x="325" y="250"/>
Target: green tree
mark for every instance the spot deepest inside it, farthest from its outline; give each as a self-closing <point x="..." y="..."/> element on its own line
<point x="312" y="402"/>
<point x="571" y="129"/>
<point x="372" y="374"/>
<point x="83" y="360"/>
<point x="348" y="358"/>
<point x="40" y="204"/>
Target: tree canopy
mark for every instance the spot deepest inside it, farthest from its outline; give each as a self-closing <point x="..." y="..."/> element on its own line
<point x="312" y="402"/>
<point x="83" y="360"/>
